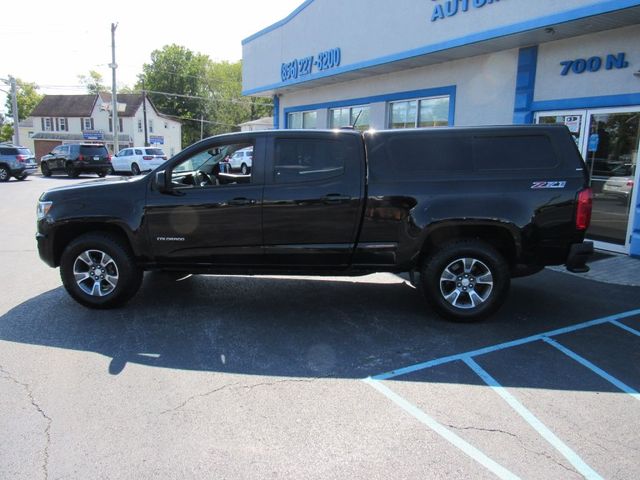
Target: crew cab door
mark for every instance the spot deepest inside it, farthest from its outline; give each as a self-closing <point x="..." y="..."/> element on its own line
<point x="313" y="198"/>
<point x="207" y="217"/>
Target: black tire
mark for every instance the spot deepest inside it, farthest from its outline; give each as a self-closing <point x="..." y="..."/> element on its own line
<point x="135" y="169"/>
<point x="44" y="168"/>
<point x="103" y="174"/>
<point x="22" y="176"/>
<point x="105" y="260"/>
<point x="72" y="172"/>
<point x="5" y="175"/>
<point x="244" y="169"/>
<point x="465" y="291"/>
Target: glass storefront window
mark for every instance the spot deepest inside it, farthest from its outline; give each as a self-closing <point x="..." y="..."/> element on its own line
<point x="344" y="117"/>
<point x="426" y="112"/>
<point x="300" y="120"/>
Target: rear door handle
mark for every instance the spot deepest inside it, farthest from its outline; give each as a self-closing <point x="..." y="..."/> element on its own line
<point x="242" y="201"/>
<point x="334" y="198"/>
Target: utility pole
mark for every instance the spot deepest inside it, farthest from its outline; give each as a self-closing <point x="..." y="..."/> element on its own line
<point x="144" y="114"/>
<point x="16" y="117"/>
<point x="114" y="93"/>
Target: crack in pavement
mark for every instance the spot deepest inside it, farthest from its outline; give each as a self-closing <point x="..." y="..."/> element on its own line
<point x="237" y="386"/>
<point x="47" y="430"/>
<point x="535" y="452"/>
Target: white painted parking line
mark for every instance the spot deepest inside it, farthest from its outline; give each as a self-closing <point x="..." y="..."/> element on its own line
<point x="625" y="327"/>
<point x="532" y="420"/>
<point x="444" y="432"/>
<point x="595" y="369"/>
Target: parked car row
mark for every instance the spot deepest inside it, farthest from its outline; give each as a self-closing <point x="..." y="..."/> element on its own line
<point x="74" y="159"/>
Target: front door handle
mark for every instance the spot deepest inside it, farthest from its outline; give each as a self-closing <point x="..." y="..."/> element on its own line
<point x="242" y="201"/>
<point x="333" y="198"/>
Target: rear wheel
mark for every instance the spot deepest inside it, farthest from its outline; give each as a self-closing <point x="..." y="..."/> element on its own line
<point x="135" y="169"/>
<point x="465" y="281"/>
<point x="5" y="175"/>
<point x="99" y="271"/>
<point x="103" y="174"/>
<point x="72" y="172"/>
<point x="44" y="168"/>
<point x="22" y="176"/>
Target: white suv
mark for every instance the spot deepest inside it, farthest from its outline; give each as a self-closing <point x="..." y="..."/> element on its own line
<point x="242" y="160"/>
<point x="138" y="159"/>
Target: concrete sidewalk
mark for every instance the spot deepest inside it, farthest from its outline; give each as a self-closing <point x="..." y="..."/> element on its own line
<point x="610" y="268"/>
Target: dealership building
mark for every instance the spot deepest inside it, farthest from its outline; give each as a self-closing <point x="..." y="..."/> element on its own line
<point x="378" y="64"/>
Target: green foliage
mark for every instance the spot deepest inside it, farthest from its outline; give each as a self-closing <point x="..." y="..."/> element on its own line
<point x="28" y="97"/>
<point x="6" y="132"/>
<point x="209" y="90"/>
<point x="93" y="82"/>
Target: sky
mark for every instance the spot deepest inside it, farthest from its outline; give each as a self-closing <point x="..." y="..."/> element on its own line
<point x="51" y="43"/>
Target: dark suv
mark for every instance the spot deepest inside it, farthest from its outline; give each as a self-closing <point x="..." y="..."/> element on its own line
<point x="75" y="159"/>
<point x="16" y="161"/>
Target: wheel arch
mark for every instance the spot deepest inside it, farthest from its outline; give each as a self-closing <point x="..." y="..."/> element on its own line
<point x="69" y="232"/>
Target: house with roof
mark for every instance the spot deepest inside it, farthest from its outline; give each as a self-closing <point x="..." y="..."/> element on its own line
<point x="60" y="119"/>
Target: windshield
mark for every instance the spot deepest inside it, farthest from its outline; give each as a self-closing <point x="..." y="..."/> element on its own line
<point x="154" y="151"/>
<point x="93" y="151"/>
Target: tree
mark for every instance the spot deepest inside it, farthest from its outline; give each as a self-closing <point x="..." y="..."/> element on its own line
<point x="93" y="82"/>
<point x="178" y="70"/>
<point x="6" y="132"/>
<point x="28" y="97"/>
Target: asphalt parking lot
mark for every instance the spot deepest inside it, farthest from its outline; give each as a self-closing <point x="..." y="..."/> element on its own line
<point x="241" y="377"/>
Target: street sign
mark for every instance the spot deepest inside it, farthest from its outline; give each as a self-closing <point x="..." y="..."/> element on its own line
<point x="594" y="140"/>
<point x="93" y="135"/>
<point x="156" y="139"/>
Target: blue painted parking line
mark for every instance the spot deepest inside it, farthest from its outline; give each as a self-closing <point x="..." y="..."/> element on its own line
<point x="441" y="430"/>
<point x="502" y="346"/>
<point x="626" y="327"/>
<point x="595" y="369"/>
<point x="579" y="464"/>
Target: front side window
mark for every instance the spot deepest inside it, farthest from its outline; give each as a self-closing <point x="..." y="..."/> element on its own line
<point x="350" y="116"/>
<point x="422" y="113"/>
<point x="210" y="168"/>
<point x="299" y="120"/>
<point x="304" y="160"/>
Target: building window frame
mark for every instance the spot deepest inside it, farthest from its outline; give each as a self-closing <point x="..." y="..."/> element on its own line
<point x="87" y="124"/>
<point x="448" y="90"/>
<point x="63" y="124"/>
<point x="47" y="124"/>
<point x="139" y="125"/>
<point x="150" y="126"/>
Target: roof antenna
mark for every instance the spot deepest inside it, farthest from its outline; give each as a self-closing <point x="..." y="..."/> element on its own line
<point x="355" y="122"/>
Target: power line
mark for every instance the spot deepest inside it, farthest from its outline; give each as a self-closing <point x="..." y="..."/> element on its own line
<point x="195" y="97"/>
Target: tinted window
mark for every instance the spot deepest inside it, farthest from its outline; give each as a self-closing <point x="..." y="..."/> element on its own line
<point x="7" y="151"/>
<point x="306" y="160"/>
<point x="521" y="152"/>
<point x="153" y="151"/>
<point x="420" y="153"/>
<point x="138" y="151"/>
<point x="93" y="151"/>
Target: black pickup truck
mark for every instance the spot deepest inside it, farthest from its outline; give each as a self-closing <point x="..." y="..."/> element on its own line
<point x="465" y="208"/>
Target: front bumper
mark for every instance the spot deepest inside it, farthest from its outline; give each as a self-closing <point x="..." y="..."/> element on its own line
<point x="578" y="256"/>
<point x="45" y="249"/>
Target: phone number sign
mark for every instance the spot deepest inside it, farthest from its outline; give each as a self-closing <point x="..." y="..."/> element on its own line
<point x="302" y="67"/>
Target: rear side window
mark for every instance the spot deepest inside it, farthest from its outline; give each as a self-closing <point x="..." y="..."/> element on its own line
<point x="517" y="152"/>
<point x="306" y="160"/>
<point x="138" y="152"/>
<point x="24" y="151"/>
<point x="428" y="154"/>
<point x="8" y="151"/>
<point x="93" y="151"/>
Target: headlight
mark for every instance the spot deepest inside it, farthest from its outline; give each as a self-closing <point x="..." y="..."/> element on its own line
<point x="43" y="209"/>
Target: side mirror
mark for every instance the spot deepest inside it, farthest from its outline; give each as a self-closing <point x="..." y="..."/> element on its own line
<point x="161" y="181"/>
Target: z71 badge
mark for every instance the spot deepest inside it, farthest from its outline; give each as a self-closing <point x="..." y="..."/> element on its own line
<point x="539" y="185"/>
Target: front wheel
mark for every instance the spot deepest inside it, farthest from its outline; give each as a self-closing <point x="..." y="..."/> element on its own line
<point x="44" y="168"/>
<point x="466" y="281"/>
<point x="99" y="271"/>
